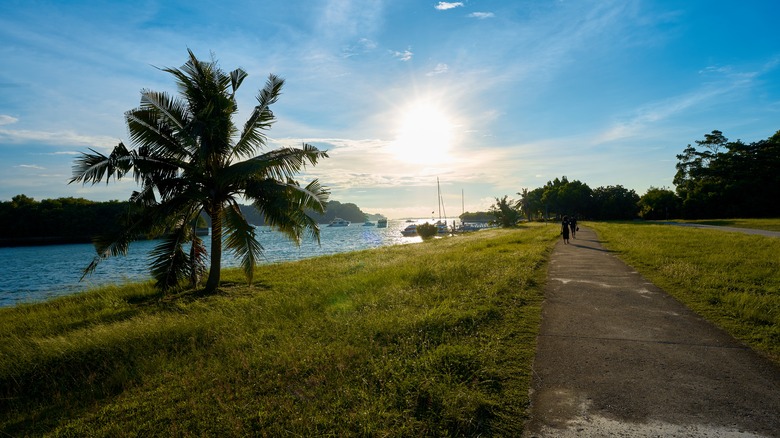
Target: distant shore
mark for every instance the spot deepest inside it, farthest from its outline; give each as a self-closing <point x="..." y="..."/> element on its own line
<point x="41" y="241"/>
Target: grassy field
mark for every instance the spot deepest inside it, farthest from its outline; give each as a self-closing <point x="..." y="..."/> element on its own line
<point x="430" y="339"/>
<point x="731" y="279"/>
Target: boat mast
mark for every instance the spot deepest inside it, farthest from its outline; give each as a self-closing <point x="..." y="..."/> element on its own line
<point x="441" y="201"/>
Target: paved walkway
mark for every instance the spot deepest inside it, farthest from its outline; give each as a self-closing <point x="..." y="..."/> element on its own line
<point x="618" y="357"/>
<point x="729" y="229"/>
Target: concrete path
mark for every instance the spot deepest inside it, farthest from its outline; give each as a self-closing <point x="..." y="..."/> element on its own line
<point x="765" y="233"/>
<point x="618" y="357"/>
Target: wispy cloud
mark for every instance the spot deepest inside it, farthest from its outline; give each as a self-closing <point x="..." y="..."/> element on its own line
<point x="364" y="45"/>
<point x="55" y="138"/>
<point x="721" y="81"/>
<point x="65" y="153"/>
<point x="439" y="69"/>
<point x="7" y="120"/>
<point x="482" y="15"/>
<point x="31" y="166"/>
<point x="406" y="55"/>
<point x="443" y="6"/>
<point x="646" y="116"/>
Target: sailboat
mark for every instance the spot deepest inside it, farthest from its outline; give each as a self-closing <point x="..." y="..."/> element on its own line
<point x="441" y="225"/>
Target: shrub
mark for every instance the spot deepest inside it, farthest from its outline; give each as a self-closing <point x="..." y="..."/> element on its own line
<point x="427" y="230"/>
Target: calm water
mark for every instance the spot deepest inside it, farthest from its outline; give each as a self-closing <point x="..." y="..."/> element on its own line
<point x="42" y="272"/>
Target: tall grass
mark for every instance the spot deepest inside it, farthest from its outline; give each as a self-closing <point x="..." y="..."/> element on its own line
<point x="729" y="278"/>
<point x="430" y="339"/>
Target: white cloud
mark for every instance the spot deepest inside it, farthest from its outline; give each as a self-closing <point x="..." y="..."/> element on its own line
<point x="482" y="15"/>
<point x="439" y="69"/>
<point x="56" y="138"/>
<point x="31" y="166"/>
<point x="7" y="120"/>
<point x="443" y="6"/>
<point x="406" y="55"/>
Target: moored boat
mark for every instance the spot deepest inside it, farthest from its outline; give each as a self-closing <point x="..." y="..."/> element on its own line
<point x="381" y="223"/>
<point x="410" y="230"/>
<point x="339" y="222"/>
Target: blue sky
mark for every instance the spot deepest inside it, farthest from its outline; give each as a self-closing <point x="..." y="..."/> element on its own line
<point x="489" y="96"/>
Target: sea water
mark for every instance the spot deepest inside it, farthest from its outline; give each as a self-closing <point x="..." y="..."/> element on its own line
<point x="38" y="273"/>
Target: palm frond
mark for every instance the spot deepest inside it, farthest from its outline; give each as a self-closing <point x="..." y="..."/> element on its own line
<point x="168" y="261"/>
<point x="261" y="119"/>
<point x="172" y="110"/>
<point x="134" y="224"/>
<point x="166" y="119"/>
<point x="237" y="76"/>
<point x="285" y="206"/>
<point x="240" y="238"/>
<point x="94" y="167"/>
<point x="280" y="164"/>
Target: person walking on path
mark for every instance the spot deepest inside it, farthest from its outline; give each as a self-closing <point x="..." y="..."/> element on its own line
<point x="618" y="356"/>
<point x="573" y="226"/>
<point x="565" y="229"/>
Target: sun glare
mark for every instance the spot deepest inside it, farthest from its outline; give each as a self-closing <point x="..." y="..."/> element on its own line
<point x="425" y="134"/>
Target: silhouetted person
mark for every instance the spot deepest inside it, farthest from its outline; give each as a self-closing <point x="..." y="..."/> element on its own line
<point x="565" y="229"/>
<point x="573" y="226"/>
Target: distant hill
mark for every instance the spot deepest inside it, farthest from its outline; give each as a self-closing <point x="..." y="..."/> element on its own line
<point x="334" y="209"/>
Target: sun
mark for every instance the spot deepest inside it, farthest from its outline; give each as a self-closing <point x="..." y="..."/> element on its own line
<point x="425" y="134"/>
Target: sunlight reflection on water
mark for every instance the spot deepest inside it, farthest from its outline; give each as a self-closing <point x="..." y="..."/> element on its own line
<point x="41" y="272"/>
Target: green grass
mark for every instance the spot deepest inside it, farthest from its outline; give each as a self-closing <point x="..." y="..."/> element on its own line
<point x="758" y="224"/>
<point x="430" y="339"/>
<point x="731" y="279"/>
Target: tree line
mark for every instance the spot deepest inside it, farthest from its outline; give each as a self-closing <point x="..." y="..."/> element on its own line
<point x="561" y="197"/>
<point x="26" y="221"/>
<point x="716" y="178"/>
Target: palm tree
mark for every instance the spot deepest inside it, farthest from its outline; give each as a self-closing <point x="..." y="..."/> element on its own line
<point x="505" y="212"/>
<point x="189" y="158"/>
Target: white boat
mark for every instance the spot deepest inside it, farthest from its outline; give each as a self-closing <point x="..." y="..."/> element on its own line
<point x="381" y="223"/>
<point x="338" y="222"/>
<point x="410" y="230"/>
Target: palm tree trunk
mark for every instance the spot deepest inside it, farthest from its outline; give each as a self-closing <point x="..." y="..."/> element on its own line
<point x="195" y="271"/>
<point x="216" y="250"/>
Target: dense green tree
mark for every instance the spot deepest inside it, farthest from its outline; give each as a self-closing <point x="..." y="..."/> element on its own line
<point x="550" y="196"/>
<point x="614" y="202"/>
<point x="479" y="216"/>
<point x="505" y="212"/>
<point x="719" y="178"/>
<point x="25" y="221"/>
<point x="190" y="157"/>
<point x="659" y="204"/>
<point x="558" y="197"/>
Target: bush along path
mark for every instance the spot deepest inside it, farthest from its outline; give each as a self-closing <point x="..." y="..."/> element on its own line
<point x="617" y="356"/>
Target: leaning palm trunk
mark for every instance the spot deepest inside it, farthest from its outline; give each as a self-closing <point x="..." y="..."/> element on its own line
<point x="215" y="270"/>
<point x="187" y="158"/>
